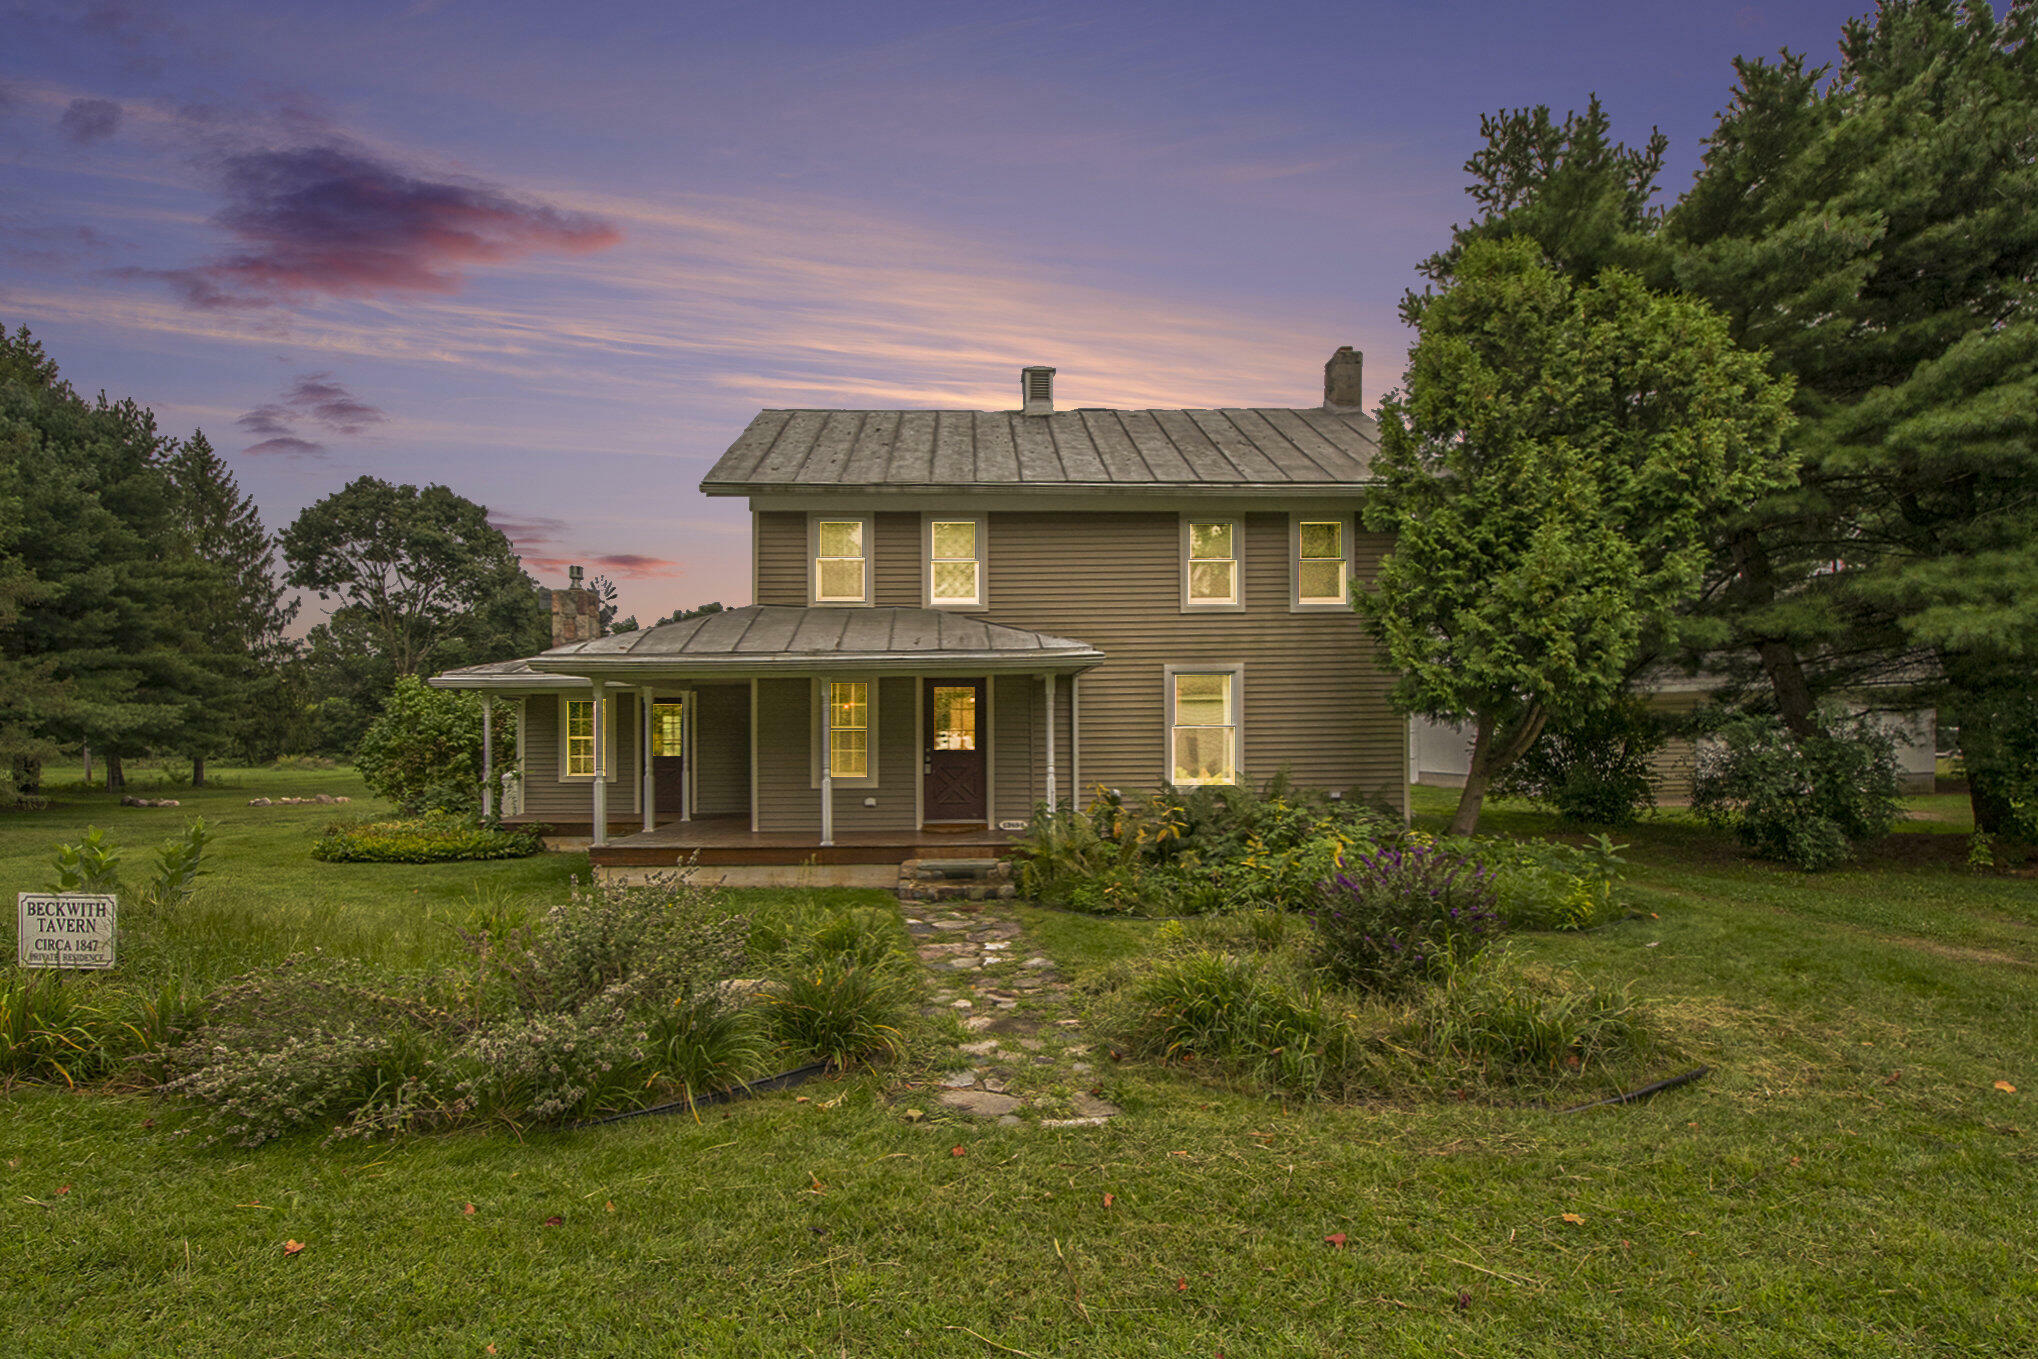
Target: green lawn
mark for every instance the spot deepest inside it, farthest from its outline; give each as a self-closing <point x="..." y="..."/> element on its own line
<point x="1847" y="1182"/>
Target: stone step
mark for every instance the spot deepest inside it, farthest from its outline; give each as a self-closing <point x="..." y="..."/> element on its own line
<point x="936" y="870"/>
<point x="956" y="891"/>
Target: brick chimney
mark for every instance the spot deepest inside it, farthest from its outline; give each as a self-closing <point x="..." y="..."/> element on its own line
<point x="576" y="612"/>
<point x="1342" y="391"/>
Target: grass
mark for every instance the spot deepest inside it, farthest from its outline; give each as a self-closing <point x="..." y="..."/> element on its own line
<point x="1847" y="1182"/>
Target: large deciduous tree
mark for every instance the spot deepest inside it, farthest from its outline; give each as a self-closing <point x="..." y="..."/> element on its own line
<point x="1553" y="473"/>
<point x="419" y="580"/>
<point x="1874" y="232"/>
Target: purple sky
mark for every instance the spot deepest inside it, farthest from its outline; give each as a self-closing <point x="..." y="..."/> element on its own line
<point x="556" y="256"/>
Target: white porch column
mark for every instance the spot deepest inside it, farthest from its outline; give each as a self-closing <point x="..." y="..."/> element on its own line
<point x="487" y="756"/>
<point x="1052" y="804"/>
<point x="602" y="717"/>
<point x="1076" y="739"/>
<point x="649" y="795"/>
<point x="686" y="744"/>
<point x="827" y="762"/>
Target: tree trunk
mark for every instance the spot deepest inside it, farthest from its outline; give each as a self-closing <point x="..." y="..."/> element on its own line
<point x="27" y="774"/>
<point x="116" y="777"/>
<point x="197" y="771"/>
<point x="1794" y="700"/>
<point x="1492" y="752"/>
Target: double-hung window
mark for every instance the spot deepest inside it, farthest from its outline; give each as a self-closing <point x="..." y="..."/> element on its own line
<point x="1210" y="564"/>
<point x="1203" y="729"/>
<point x="578" y="738"/>
<point x="1322" y="560"/>
<point x="955" y="561"/>
<point x="841" y="565"/>
<point x="845" y="711"/>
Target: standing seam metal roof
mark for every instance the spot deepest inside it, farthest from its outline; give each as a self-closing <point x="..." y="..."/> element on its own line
<point x="1234" y="447"/>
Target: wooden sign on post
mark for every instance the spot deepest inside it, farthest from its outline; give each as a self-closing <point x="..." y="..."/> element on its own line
<point x="65" y="929"/>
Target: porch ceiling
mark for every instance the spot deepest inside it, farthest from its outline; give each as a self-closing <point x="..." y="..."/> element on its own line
<point x="774" y="640"/>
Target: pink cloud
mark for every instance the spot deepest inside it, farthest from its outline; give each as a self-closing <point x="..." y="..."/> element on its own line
<point x="335" y="221"/>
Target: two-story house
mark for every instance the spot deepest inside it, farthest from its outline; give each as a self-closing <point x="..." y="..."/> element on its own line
<point x="961" y="615"/>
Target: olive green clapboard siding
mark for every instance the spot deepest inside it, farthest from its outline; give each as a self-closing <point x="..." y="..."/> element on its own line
<point x="1314" y="693"/>
<point x="786" y="797"/>
<point x="549" y="797"/>
<point x="1315" y="698"/>
<point x="721" y="748"/>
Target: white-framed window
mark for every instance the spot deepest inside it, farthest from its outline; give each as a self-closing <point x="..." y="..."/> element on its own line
<point x="1204" y="732"/>
<point x="1320" y="560"/>
<point x="1212" y="562"/>
<point x="577" y="737"/>
<point x="953" y="552"/>
<point x="838" y="558"/>
<point x="849" y="707"/>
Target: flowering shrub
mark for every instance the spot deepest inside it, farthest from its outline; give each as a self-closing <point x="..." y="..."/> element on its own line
<point x="423" y="840"/>
<point x="1397" y="916"/>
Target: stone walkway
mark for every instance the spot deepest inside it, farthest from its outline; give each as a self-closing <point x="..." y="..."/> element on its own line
<point x="1027" y="1052"/>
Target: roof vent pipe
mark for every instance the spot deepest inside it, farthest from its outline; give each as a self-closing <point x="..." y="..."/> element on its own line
<point x="1036" y="391"/>
<point x="1342" y="392"/>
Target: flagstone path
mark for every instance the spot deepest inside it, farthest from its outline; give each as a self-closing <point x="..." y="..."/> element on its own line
<point x="1027" y="1053"/>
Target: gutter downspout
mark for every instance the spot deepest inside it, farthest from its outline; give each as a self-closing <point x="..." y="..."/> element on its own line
<point x="827" y="764"/>
<point x="1052" y="804"/>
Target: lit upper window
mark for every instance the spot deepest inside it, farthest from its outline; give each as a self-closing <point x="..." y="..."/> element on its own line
<point x="1320" y="561"/>
<point x="955" y="565"/>
<point x="1213" y="562"/>
<point x="839" y="561"/>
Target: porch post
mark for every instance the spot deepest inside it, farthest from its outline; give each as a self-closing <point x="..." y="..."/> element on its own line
<point x="487" y="756"/>
<point x="686" y="744"/>
<point x="827" y="763"/>
<point x="1052" y="804"/>
<point x="601" y="763"/>
<point x="1076" y="739"/>
<point x="649" y="795"/>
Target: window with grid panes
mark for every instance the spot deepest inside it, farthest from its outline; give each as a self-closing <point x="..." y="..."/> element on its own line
<point x="1320" y="561"/>
<point x="1205" y="735"/>
<point x="955" y="567"/>
<point x="1213" y="562"/>
<point x="839" y="561"/>
<point x="849" y="729"/>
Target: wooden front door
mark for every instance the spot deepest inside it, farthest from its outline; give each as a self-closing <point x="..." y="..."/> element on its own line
<point x="668" y="768"/>
<point x="952" y="770"/>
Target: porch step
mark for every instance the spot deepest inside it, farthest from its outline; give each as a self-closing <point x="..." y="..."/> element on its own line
<point x="956" y="880"/>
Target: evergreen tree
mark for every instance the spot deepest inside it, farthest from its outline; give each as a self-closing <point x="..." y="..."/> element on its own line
<point x="1873" y="231"/>
<point x="242" y="608"/>
<point x="106" y="617"/>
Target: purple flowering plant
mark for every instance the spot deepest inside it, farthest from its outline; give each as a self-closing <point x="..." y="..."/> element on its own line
<point x="1396" y="916"/>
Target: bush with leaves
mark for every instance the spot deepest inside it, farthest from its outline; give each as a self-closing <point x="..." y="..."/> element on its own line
<point x="431" y="839"/>
<point x="424" y="752"/>
<point x="1803" y="800"/>
<point x="1549" y="885"/>
<point x="1395" y="917"/>
<point x="1595" y="769"/>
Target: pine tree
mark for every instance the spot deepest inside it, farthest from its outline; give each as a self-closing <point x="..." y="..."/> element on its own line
<point x="106" y="616"/>
<point x="1873" y="231"/>
<point x="242" y="608"/>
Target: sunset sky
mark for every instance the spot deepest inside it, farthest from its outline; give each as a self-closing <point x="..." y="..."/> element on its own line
<point x="557" y="255"/>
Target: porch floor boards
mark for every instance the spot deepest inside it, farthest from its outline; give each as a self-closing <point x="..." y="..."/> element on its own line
<point x="729" y="840"/>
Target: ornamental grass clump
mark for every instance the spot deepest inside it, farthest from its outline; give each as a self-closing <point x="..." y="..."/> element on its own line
<point x="1399" y="916"/>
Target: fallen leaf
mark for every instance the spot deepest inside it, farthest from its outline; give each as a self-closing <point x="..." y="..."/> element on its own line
<point x="1464" y="1300"/>
<point x="555" y="1221"/>
<point x="1336" y="1239"/>
<point x="1892" y="1078"/>
<point x="63" y="1189"/>
<point x="612" y="1205"/>
<point x="915" y="1115"/>
<point x="958" y="1151"/>
<point x="148" y="1123"/>
<point x="1181" y="1285"/>
<point x="292" y="1247"/>
<point x="491" y="1349"/>
<point x="468" y="1210"/>
<point x="2006" y="1087"/>
<point x="801" y="1099"/>
<point x="1110" y="1199"/>
<point x="1573" y="1217"/>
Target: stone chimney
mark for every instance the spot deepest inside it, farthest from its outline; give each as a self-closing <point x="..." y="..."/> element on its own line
<point x="1036" y="391"/>
<point x="576" y="612"/>
<point x="1342" y="391"/>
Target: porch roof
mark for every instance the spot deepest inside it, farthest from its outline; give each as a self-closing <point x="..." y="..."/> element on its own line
<point x="763" y="639"/>
<point x="505" y="677"/>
